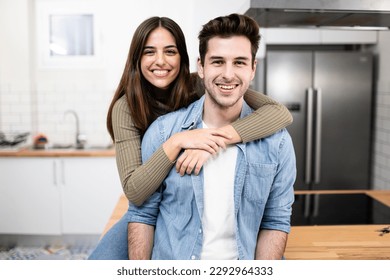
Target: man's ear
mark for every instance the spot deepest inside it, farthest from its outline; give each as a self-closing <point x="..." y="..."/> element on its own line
<point x="200" y="69"/>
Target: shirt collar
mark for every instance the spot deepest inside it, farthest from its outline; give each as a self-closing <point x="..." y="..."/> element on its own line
<point x="195" y="116"/>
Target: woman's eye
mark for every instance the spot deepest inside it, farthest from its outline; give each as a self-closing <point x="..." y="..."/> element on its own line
<point x="148" y="52"/>
<point x="171" y="52"/>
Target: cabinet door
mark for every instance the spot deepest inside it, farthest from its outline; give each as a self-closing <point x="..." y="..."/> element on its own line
<point x="29" y="196"/>
<point x="90" y="190"/>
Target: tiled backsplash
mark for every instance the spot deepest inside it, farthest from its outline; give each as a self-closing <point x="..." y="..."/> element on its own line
<point x="43" y="110"/>
<point x="15" y="109"/>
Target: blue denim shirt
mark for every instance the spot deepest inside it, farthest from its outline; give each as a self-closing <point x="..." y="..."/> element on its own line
<point x="263" y="191"/>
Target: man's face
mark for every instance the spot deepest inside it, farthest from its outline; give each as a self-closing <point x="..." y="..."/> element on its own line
<point x="227" y="70"/>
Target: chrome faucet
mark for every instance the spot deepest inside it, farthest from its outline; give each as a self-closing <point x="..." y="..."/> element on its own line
<point x="80" y="138"/>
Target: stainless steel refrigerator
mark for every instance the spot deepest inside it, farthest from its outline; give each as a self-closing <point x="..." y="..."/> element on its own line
<point x="329" y="94"/>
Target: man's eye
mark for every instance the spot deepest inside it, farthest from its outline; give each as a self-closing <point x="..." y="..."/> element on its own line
<point x="217" y="62"/>
<point x="240" y="63"/>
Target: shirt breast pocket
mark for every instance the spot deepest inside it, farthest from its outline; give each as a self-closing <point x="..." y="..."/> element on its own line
<point x="258" y="181"/>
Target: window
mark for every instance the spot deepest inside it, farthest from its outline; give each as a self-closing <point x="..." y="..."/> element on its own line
<point x="67" y="34"/>
<point x="71" y="35"/>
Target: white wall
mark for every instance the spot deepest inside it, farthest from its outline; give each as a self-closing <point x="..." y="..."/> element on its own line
<point x="15" y="101"/>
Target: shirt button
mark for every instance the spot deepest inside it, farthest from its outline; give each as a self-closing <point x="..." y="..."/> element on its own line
<point x="200" y="230"/>
<point x="193" y="257"/>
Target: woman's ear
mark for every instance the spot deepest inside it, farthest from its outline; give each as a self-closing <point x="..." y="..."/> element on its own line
<point x="200" y="69"/>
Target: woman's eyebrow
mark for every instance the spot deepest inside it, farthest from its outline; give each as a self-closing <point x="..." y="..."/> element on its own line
<point x="166" y="47"/>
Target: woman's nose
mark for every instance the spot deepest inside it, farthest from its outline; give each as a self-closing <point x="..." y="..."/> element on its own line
<point x="160" y="59"/>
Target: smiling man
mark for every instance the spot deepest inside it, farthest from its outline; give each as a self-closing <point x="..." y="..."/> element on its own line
<point x="239" y="207"/>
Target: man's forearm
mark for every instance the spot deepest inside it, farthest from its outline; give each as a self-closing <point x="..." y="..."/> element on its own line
<point x="140" y="240"/>
<point x="270" y="244"/>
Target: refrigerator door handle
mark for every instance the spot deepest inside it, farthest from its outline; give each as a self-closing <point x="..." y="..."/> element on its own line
<point x="307" y="205"/>
<point x="309" y="139"/>
<point x="317" y="164"/>
<point x="316" y="205"/>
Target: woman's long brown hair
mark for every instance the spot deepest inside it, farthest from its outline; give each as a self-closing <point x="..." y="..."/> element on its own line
<point x="139" y="92"/>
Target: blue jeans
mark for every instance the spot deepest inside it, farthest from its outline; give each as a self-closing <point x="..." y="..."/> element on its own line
<point x="113" y="245"/>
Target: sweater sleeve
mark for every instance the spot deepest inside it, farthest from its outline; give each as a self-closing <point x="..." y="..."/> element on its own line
<point x="139" y="181"/>
<point x="269" y="117"/>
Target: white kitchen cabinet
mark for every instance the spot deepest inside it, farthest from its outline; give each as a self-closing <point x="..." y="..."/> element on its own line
<point x="52" y="196"/>
<point x="349" y="37"/>
<point x="317" y="36"/>
<point x="29" y="196"/>
<point x="89" y="192"/>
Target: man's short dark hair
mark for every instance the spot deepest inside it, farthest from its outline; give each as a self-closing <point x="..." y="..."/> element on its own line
<point x="228" y="26"/>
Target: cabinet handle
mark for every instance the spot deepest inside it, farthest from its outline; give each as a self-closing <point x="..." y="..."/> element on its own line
<point x="63" y="172"/>
<point x="55" y="173"/>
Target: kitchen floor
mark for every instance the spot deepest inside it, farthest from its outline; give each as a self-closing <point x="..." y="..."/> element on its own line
<point x="45" y="253"/>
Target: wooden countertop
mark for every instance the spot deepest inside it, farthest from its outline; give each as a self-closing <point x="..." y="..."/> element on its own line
<point x="352" y="242"/>
<point x="349" y="242"/>
<point x="341" y="242"/>
<point x="25" y="152"/>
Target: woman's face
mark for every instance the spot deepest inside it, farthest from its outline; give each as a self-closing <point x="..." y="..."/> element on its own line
<point x="160" y="61"/>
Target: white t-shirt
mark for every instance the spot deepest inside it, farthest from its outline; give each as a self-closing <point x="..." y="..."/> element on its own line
<point x="219" y="239"/>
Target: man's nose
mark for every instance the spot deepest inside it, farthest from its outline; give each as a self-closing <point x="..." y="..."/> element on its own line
<point x="228" y="71"/>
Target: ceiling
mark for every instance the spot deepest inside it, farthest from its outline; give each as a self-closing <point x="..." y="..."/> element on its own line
<point x="321" y="13"/>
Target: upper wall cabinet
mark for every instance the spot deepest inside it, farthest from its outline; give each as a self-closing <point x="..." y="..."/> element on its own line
<point x="290" y="36"/>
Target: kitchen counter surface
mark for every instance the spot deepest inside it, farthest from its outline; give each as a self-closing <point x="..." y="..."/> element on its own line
<point x="25" y="152"/>
<point x="352" y="242"/>
<point x="340" y="242"/>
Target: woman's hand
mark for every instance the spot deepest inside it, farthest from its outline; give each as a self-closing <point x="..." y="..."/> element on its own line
<point x="207" y="139"/>
<point x="192" y="160"/>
